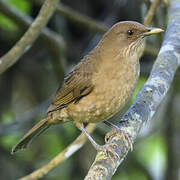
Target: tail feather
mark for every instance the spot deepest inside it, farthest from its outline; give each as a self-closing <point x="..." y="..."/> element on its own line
<point x="34" y="132"/>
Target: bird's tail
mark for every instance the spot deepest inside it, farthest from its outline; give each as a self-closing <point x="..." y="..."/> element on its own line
<point x="35" y="131"/>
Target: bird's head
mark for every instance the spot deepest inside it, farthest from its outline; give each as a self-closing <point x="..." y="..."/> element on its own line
<point x="127" y="36"/>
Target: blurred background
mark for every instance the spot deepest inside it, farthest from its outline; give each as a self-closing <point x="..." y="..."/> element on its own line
<point x="27" y="89"/>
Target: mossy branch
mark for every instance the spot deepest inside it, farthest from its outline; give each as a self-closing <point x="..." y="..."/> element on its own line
<point x="146" y="102"/>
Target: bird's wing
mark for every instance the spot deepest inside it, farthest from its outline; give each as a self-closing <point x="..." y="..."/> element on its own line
<point x="76" y="85"/>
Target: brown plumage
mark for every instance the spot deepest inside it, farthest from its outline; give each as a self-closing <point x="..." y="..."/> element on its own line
<point x="101" y="84"/>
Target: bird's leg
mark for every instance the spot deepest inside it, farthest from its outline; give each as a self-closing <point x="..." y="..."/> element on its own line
<point x="98" y="147"/>
<point x="80" y="126"/>
<point x="117" y="131"/>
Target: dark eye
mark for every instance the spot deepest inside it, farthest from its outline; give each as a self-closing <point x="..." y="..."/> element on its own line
<point x="130" y="32"/>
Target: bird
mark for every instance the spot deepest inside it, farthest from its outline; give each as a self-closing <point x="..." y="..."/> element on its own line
<point x="100" y="85"/>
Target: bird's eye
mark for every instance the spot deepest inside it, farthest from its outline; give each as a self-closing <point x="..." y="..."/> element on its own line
<point x="130" y="32"/>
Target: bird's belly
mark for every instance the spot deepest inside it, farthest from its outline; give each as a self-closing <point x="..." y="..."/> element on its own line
<point x="107" y="98"/>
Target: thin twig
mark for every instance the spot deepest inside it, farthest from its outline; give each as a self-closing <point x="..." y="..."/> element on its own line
<point x="147" y="22"/>
<point x="76" y="17"/>
<point x="13" y="55"/>
<point x="146" y="102"/>
<point x="151" y="12"/>
<point x="65" y="154"/>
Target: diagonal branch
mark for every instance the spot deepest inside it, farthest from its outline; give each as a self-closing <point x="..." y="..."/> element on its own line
<point x="65" y="154"/>
<point x="54" y="41"/>
<point x="146" y="102"/>
<point x="24" y="21"/>
<point x="12" y="56"/>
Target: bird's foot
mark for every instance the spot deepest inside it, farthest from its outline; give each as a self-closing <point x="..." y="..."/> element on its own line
<point x="107" y="148"/>
<point x="117" y="131"/>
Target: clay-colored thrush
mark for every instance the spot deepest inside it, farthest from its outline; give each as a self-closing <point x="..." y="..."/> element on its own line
<point x="100" y="85"/>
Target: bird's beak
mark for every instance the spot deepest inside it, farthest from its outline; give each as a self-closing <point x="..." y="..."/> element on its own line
<point x="153" y="31"/>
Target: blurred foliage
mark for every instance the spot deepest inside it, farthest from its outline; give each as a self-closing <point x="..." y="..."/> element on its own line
<point x="8" y="141"/>
<point x="153" y="150"/>
<point x="27" y="89"/>
<point x="22" y="5"/>
<point x="7" y="23"/>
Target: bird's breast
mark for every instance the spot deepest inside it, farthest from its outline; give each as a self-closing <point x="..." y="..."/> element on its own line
<point x="114" y="84"/>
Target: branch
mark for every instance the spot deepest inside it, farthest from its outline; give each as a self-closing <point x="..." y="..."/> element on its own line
<point x="65" y="154"/>
<point x="25" y="21"/>
<point x="147" y="22"/>
<point x="165" y="3"/>
<point x="146" y="102"/>
<point x="76" y="17"/>
<point x="151" y="12"/>
<point x="54" y="41"/>
<point x="29" y="37"/>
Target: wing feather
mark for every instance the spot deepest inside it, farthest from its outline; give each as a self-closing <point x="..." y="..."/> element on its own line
<point x="76" y="85"/>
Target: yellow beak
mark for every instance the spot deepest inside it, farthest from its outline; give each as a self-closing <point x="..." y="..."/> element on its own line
<point x="153" y="31"/>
